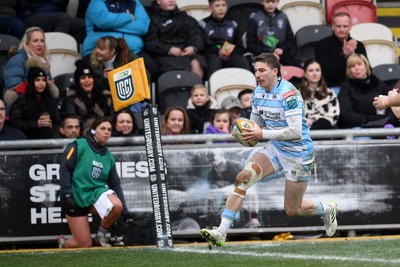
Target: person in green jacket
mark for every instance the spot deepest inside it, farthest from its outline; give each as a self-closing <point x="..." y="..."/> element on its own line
<point x="90" y="184"/>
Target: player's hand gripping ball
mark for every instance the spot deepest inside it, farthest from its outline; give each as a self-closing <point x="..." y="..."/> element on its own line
<point x="237" y="129"/>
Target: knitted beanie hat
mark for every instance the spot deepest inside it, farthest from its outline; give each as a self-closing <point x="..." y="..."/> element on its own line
<point x="82" y="68"/>
<point x="35" y="72"/>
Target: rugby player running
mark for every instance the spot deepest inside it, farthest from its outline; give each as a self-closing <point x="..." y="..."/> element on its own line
<point x="277" y="110"/>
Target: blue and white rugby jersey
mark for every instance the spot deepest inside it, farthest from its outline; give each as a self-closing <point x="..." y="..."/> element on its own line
<point x="283" y="101"/>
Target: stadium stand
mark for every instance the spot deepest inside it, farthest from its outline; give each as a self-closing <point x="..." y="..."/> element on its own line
<point x="304" y="13"/>
<point x="63" y="50"/>
<point x="228" y="82"/>
<point x="197" y="9"/>
<point x="173" y="88"/>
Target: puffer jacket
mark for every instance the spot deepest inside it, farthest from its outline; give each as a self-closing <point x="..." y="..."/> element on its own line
<point x="106" y="17"/>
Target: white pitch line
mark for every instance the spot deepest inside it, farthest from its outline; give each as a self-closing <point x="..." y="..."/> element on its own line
<point x="287" y="255"/>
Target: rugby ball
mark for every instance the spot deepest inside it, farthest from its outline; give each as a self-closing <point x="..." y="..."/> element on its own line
<point x="237" y="128"/>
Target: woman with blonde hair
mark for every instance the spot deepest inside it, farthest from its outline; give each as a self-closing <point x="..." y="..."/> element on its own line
<point x="33" y="48"/>
<point x="357" y="94"/>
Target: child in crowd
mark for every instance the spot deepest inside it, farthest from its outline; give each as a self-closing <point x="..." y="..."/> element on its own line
<point x="245" y="102"/>
<point x="223" y="43"/>
<point x="174" y="39"/>
<point x="201" y="106"/>
<point x="269" y="30"/>
<point x="220" y="122"/>
<point x="232" y="105"/>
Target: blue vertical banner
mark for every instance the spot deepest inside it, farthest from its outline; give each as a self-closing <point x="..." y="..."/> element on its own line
<point x="157" y="177"/>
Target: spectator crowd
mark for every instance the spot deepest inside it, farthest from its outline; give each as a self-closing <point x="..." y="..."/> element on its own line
<point x="338" y="86"/>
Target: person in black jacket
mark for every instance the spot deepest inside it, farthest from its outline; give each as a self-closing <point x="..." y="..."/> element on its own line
<point x="175" y="39"/>
<point x="86" y="98"/>
<point x="36" y="112"/>
<point x="333" y="51"/>
<point x="357" y="94"/>
<point x="223" y="42"/>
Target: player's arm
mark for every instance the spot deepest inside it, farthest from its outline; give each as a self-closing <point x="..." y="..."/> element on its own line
<point x="292" y="132"/>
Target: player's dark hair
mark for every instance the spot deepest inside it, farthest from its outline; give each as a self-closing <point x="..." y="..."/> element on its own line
<point x="269" y="59"/>
<point x="100" y="120"/>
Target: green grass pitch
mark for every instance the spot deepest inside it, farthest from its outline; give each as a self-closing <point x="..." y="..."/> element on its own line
<point x="371" y="251"/>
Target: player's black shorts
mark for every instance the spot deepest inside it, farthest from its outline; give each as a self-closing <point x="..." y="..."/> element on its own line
<point x="76" y="212"/>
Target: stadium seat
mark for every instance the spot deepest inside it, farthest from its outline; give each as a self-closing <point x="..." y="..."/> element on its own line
<point x="63" y="50"/>
<point x="304" y="13"/>
<point x="381" y="52"/>
<point x="359" y="11"/>
<point x="307" y="37"/>
<point x="378" y="41"/>
<point x="388" y="73"/>
<point x="63" y="82"/>
<point x="329" y="4"/>
<point x="371" y="30"/>
<point x="284" y="2"/>
<point x="197" y="9"/>
<point x="292" y="74"/>
<point x="173" y="88"/>
<point x="240" y="10"/>
<point x="228" y="82"/>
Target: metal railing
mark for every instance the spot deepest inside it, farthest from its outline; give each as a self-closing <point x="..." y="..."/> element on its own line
<point x="341" y="134"/>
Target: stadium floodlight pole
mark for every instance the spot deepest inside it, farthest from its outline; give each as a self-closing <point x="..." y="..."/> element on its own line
<point x="157" y="176"/>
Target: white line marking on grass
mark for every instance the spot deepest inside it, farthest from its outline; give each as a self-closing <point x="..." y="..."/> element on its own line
<point x="288" y="255"/>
